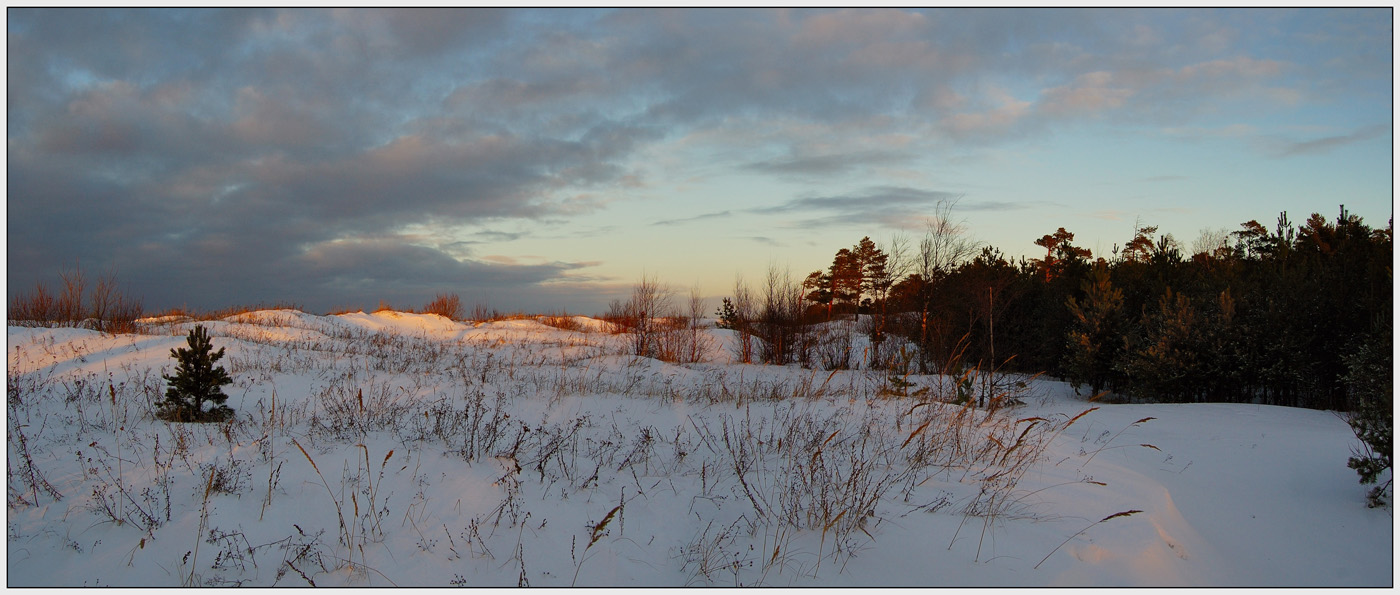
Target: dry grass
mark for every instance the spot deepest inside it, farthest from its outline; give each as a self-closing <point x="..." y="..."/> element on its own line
<point x="807" y="480"/>
<point x="562" y="321"/>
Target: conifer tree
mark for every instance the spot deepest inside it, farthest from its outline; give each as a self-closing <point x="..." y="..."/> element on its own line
<point x="1162" y="359"/>
<point x="1095" y="337"/>
<point x="196" y="382"/>
<point x="845" y="275"/>
<point x="817" y="288"/>
<point x="1369" y="377"/>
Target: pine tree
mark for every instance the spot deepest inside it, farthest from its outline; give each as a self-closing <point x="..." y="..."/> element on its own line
<point x="817" y="289"/>
<point x="1162" y="359"/>
<point x="845" y="275"/>
<point x="727" y="315"/>
<point x="1369" y="377"/>
<point x="1095" y="337"/>
<point x="196" y="382"/>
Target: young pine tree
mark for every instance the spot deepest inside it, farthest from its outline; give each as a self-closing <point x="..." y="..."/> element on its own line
<point x="1369" y="377"/>
<point x="196" y="382"/>
<point x="1095" y="336"/>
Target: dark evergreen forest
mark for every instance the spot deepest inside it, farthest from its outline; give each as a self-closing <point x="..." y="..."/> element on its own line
<point x="1276" y="316"/>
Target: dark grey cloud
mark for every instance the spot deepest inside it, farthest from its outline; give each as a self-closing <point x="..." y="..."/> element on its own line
<point x="206" y="155"/>
<point x="232" y="155"/>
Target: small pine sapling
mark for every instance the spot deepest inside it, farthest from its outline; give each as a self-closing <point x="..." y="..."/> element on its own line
<point x="196" y="382"/>
<point x="1369" y="379"/>
<point x="727" y="315"/>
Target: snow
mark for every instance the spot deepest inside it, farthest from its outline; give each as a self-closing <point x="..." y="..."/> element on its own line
<point x="408" y="449"/>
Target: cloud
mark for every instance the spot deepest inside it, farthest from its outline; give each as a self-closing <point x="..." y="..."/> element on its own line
<point x="888" y="206"/>
<point x="702" y="217"/>
<point x="828" y="165"/>
<point x="1088" y="93"/>
<point x="248" y="150"/>
<point x="1006" y="116"/>
<point x="765" y="240"/>
<point x="1283" y="149"/>
<point x="883" y="197"/>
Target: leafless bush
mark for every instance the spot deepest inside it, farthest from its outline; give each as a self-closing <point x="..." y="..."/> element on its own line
<point x="672" y="340"/>
<point x="655" y="329"/>
<point x="743" y="320"/>
<point x="833" y="346"/>
<point x="780" y="321"/>
<point x="481" y="313"/>
<point x="642" y="315"/>
<point x="37" y="307"/>
<point x="70" y="301"/>
<point x="121" y="315"/>
<point x="446" y="305"/>
<point x="107" y="309"/>
<point x="696" y="345"/>
<point x="943" y="248"/>
<point x="619" y="319"/>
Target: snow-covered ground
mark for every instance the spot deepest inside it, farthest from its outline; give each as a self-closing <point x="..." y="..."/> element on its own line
<point x="402" y="449"/>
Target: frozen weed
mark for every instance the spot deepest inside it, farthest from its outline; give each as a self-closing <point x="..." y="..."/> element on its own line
<point x="706" y="556"/>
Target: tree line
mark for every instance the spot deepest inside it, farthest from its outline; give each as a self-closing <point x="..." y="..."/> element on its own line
<point x="1281" y="316"/>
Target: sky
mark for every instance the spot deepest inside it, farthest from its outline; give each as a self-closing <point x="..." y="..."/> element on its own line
<point x="545" y="160"/>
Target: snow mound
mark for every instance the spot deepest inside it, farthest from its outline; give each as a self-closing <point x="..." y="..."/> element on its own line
<point x="401" y="322"/>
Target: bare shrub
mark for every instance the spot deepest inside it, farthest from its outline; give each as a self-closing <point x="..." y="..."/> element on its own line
<point x="481" y="313"/>
<point x="943" y="248"/>
<point x="742" y="320"/>
<point x="619" y="319"/>
<point x="70" y="302"/>
<point x="696" y="344"/>
<point x="122" y="316"/>
<point x="641" y="316"/>
<point x="36" y="307"/>
<point x="832" y="344"/>
<point x="102" y="296"/>
<point x="107" y="309"/>
<point x="671" y="341"/>
<point x="446" y="305"/>
<point x="780" y="323"/>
